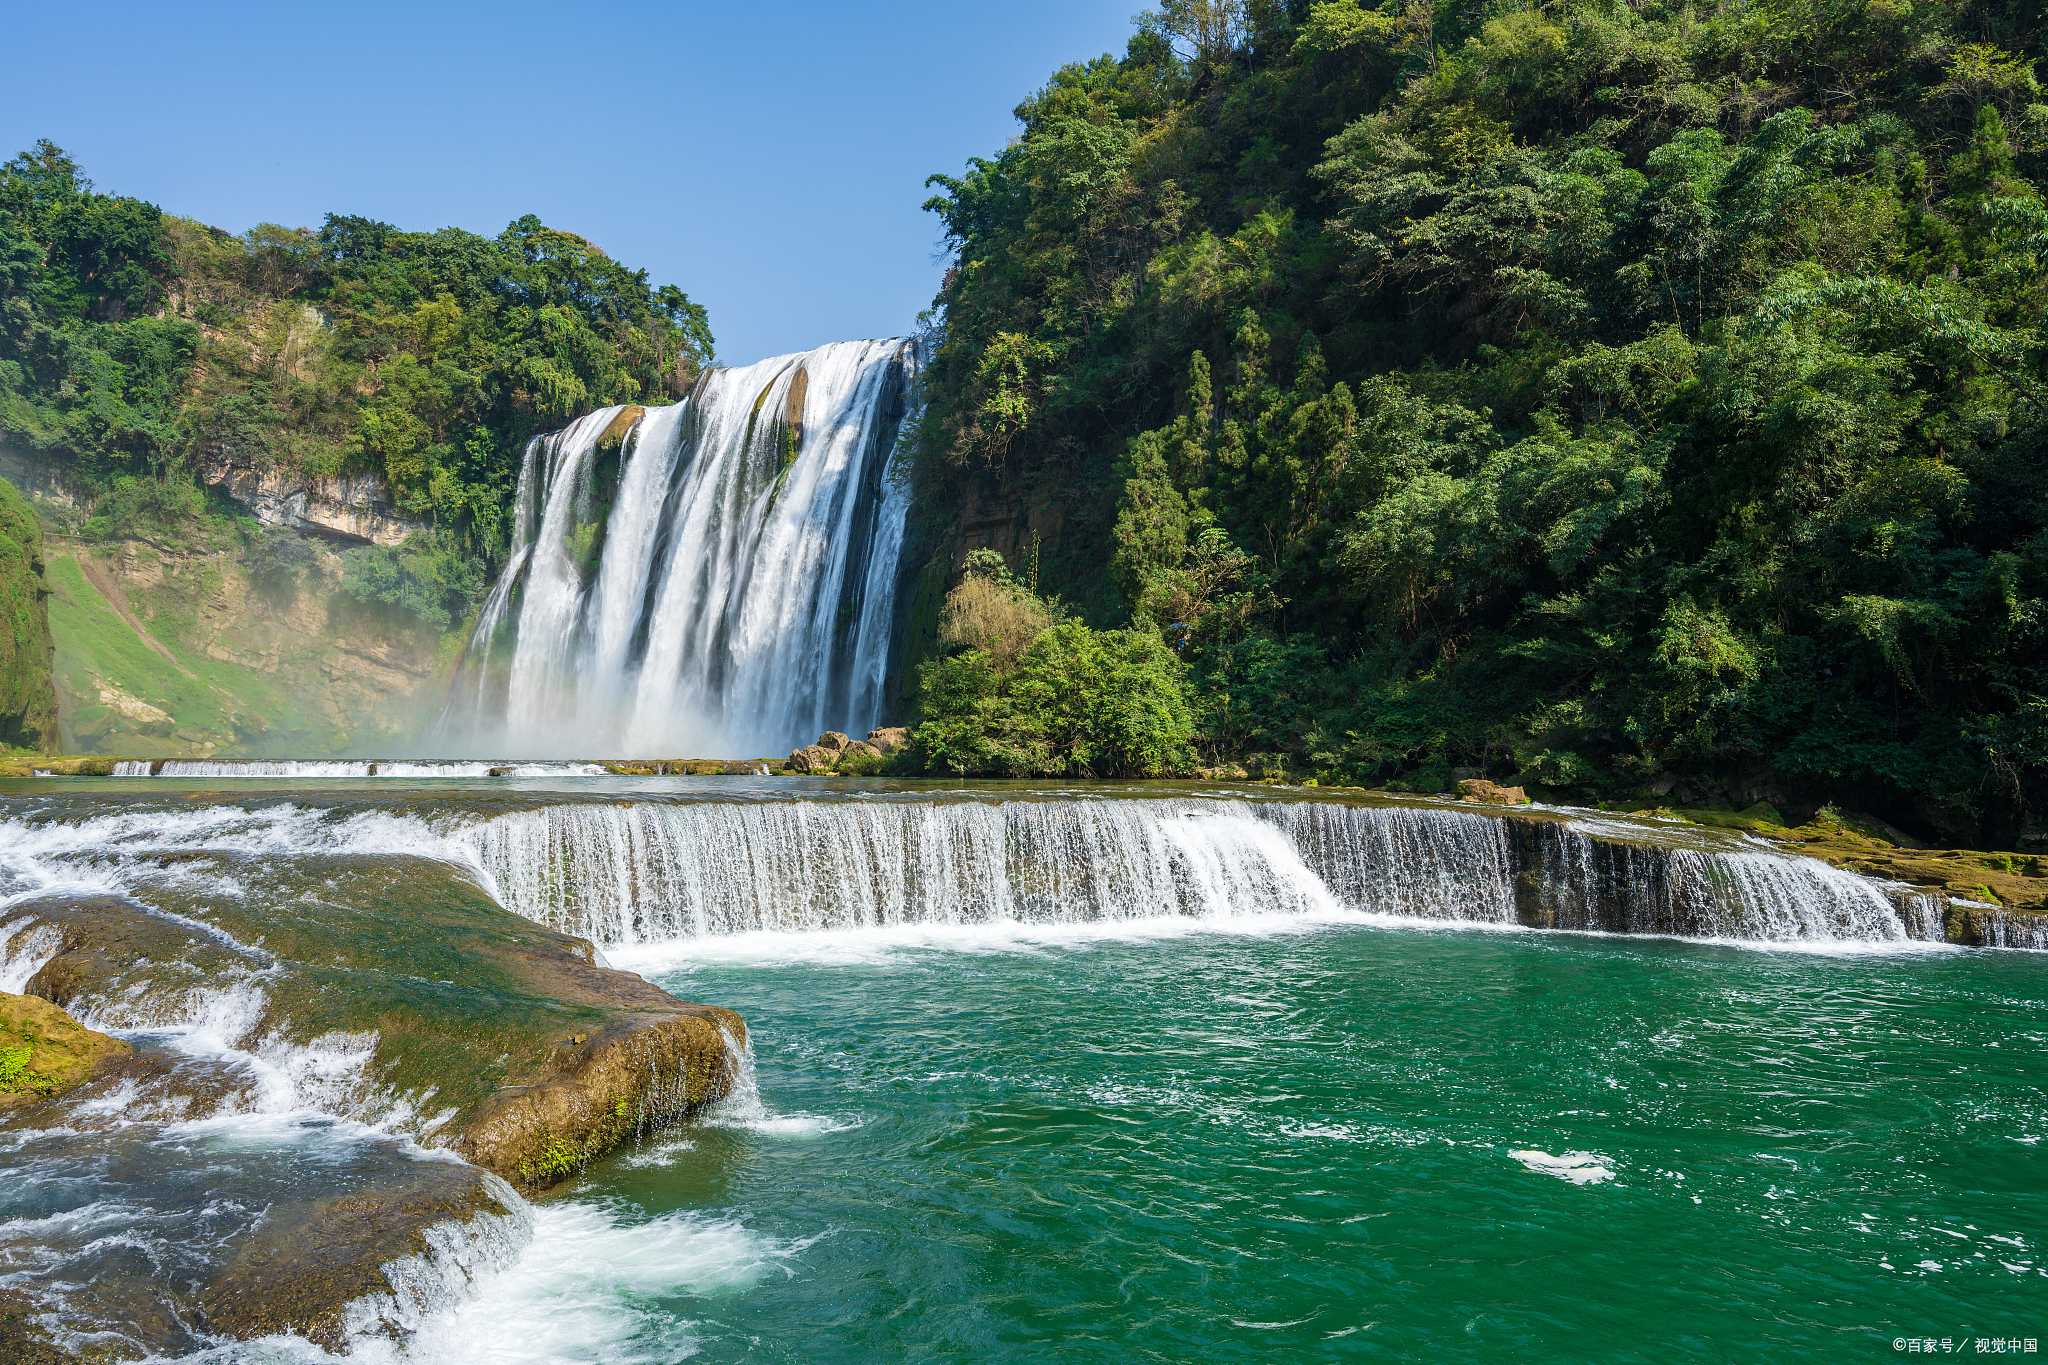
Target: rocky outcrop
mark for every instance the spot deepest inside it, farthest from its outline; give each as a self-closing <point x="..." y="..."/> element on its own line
<point x="349" y="507"/>
<point x="44" y="1052"/>
<point x="889" y="739"/>
<point x="310" y="1265"/>
<point x="823" y="756"/>
<point x="1488" y="793"/>
<point x="535" y="1057"/>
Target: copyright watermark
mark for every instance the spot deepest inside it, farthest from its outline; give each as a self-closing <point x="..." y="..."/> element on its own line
<point x="1983" y="1346"/>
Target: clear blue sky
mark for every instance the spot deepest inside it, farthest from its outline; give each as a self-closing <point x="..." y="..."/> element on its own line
<point x="770" y="160"/>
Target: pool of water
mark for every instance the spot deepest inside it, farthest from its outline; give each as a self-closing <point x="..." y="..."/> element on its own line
<point x="1314" y="1141"/>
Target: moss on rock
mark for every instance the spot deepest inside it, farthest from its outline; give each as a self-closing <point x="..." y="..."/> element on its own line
<point x="44" y="1052"/>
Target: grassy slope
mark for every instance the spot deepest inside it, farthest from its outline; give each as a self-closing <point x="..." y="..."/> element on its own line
<point x="28" y="703"/>
<point x="98" y="650"/>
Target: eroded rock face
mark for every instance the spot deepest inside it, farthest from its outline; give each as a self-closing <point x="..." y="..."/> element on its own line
<point x="1479" y="789"/>
<point x="357" y="507"/>
<point x="890" y="738"/>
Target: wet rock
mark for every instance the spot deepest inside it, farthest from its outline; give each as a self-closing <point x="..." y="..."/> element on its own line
<point x="620" y="427"/>
<point x="309" y="1266"/>
<point x="458" y="1021"/>
<point x="44" y="1052"/>
<point x="1479" y="789"/>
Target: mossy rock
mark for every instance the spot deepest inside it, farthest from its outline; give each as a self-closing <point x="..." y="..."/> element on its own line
<point x="619" y="428"/>
<point x="541" y="1058"/>
<point x="44" y="1052"/>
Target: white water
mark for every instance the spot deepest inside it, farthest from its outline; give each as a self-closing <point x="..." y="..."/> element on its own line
<point x="653" y="873"/>
<point x="386" y="767"/>
<point x="741" y="598"/>
<point x="643" y="872"/>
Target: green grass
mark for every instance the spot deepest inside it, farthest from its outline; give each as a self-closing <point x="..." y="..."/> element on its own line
<point x="208" y="697"/>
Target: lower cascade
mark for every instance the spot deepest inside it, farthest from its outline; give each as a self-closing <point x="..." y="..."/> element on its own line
<point x="653" y="872"/>
<point x="716" y="575"/>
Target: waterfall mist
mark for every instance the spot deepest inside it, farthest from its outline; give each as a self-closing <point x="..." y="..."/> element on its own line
<point x="715" y="577"/>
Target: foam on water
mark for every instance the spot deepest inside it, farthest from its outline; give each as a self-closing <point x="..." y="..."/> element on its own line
<point x="383" y="767"/>
<point x="1577" y="1168"/>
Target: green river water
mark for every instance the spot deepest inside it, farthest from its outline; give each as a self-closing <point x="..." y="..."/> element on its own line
<point x="1318" y="1142"/>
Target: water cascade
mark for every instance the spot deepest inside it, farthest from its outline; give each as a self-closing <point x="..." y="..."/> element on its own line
<point x="650" y="872"/>
<point x="716" y="576"/>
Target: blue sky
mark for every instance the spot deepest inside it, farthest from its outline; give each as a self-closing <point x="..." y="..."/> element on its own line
<point x="770" y="161"/>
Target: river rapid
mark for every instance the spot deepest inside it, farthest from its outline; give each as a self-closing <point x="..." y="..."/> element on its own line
<point x="1260" y="1121"/>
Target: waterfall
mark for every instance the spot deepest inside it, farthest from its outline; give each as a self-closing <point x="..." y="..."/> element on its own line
<point x="715" y="576"/>
<point x="650" y="872"/>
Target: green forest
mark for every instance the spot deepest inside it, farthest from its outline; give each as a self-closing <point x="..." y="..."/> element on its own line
<point x="137" y="346"/>
<point x="1609" y="396"/>
<point x="1618" y="399"/>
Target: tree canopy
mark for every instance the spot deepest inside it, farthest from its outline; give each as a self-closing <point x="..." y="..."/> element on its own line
<point x="1614" y="396"/>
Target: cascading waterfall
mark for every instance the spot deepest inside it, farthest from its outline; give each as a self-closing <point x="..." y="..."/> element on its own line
<point x="715" y="576"/>
<point x="652" y="872"/>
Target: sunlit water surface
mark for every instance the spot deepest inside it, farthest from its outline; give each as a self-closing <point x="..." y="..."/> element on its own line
<point x="1315" y="1141"/>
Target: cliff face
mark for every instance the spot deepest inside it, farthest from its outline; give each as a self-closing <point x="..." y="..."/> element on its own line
<point x="346" y="506"/>
<point x="28" y="700"/>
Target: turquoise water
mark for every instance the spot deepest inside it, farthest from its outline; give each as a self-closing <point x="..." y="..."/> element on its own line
<point x="1327" y="1141"/>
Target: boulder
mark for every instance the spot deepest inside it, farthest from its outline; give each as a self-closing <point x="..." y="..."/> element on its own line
<point x="889" y="739"/>
<point x="832" y="742"/>
<point x="813" y="758"/>
<point x="45" y="1052"/>
<point x="1492" y="794"/>
<point x="861" y="746"/>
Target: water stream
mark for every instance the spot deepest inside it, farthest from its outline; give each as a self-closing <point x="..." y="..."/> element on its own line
<point x="1061" y="1073"/>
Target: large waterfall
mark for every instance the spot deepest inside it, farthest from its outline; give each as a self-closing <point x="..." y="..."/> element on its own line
<point x="712" y="577"/>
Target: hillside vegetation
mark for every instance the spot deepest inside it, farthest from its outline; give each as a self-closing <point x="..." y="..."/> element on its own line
<point x="137" y="347"/>
<point x="1623" y="397"/>
<point x="28" y="701"/>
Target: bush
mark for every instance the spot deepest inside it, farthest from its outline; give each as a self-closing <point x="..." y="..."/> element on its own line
<point x="132" y="507"/>
<point x="1077" y="702"/>
<point x="276" y="557"/>
<point x="428" y="577"/>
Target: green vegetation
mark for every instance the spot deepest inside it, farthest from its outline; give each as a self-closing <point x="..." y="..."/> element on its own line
<point x="28" y="700"/>
<point x="1029" y="693"/>
<point x="1603" y="396"/>
<point x="139" y="348"/>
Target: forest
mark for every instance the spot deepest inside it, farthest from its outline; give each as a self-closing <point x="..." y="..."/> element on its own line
<point x="1613" y="396"/>
<point x="137" y="346"/>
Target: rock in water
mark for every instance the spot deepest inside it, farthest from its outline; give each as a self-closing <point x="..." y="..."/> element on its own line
<point x="503" y="1039"/>
<point x="44" y="1052"/>
<point x="1479" y="789"/>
